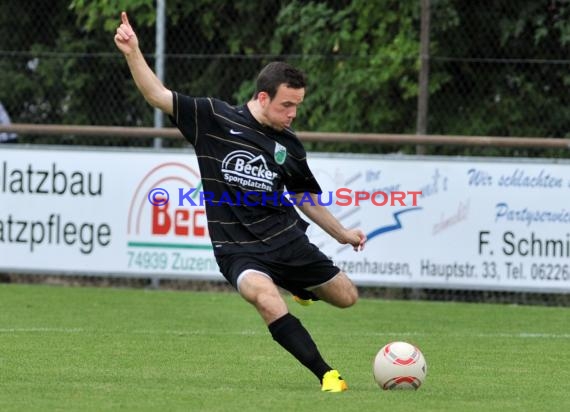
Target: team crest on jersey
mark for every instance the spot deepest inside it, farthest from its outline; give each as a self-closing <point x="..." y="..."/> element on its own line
<point x="280" y="153"/>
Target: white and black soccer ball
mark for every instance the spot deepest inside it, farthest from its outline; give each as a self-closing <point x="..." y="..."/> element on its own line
<point x="399" y="365"/>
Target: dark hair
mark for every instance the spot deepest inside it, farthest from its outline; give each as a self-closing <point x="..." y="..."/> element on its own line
<point x="277" y="73"/>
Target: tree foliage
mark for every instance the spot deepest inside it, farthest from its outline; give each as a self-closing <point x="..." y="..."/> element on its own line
<point x="509" y="78"/>
<point x="497" y="68"/>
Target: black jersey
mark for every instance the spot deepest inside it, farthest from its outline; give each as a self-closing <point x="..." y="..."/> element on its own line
<point x="245" y="169"/>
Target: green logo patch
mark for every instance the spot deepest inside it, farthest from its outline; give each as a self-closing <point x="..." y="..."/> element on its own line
<point x="280" y="153"/>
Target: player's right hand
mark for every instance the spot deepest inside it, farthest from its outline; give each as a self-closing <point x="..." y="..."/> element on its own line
<point x="125" y="37"/>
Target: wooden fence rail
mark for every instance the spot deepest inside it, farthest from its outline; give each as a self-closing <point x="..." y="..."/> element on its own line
<point x="370" y="138"/>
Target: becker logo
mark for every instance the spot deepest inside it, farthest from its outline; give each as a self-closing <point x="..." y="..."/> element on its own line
<point x="247" y="170"/>
<point x="166" y="222"/>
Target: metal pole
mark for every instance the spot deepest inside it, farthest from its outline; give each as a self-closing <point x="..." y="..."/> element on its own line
<point x="159" y="69"/>
<point x="423" y="92"/>
<point x="159" y="60"/>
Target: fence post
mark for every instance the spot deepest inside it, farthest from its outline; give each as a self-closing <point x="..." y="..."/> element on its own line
<point x="159" y="60"/>
<point x="423" y="82"/>
<point x="159" y="68"/>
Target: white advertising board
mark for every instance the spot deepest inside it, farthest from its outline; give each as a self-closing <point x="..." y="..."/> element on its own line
<point x="478" y="223"/>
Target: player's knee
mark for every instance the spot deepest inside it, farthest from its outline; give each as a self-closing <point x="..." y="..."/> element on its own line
<point x="350" y="298"/>
<point x="349" y="294"/>
<point x="346" y="299"/>
<point x="266" y="300"/>
<point x="340" y="292"/>
<point x="263" y="295"/>
<point x="270" y="306"/>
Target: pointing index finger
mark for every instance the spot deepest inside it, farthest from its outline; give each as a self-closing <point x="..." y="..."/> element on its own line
<point x="124" y="18"/>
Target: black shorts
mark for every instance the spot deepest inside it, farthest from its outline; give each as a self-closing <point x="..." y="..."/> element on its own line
<point x="298" y="267"/>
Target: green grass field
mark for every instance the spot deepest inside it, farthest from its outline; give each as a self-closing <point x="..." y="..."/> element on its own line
<point x="96" y="349"/>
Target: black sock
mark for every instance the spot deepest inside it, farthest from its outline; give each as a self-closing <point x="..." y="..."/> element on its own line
<point x="292" y="335"/>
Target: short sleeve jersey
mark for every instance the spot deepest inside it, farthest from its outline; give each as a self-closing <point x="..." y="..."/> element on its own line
<point x="245" y="167"/>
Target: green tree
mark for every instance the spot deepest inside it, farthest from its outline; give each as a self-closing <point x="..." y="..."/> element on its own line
<point x="361" y="58"/>
<point x="51" y="72"/>
<point x="508" y="67"/>
<point x="497" y="67"/>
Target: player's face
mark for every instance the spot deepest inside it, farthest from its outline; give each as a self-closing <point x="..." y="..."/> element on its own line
<point x="282" y="109"/>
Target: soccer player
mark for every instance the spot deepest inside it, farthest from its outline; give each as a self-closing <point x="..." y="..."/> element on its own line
<point x="249" y="154"/>
<point x="6" y="137"/>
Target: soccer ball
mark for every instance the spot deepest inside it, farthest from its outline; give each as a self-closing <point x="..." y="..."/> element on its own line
<point x="399" y="365"/>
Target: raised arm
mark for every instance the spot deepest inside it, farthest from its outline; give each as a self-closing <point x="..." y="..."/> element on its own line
<point x="330" y="224"/>
<point x="149" y="85"/>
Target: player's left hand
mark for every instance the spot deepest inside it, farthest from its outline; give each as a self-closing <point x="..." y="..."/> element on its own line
<point x="356" y="238"/>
